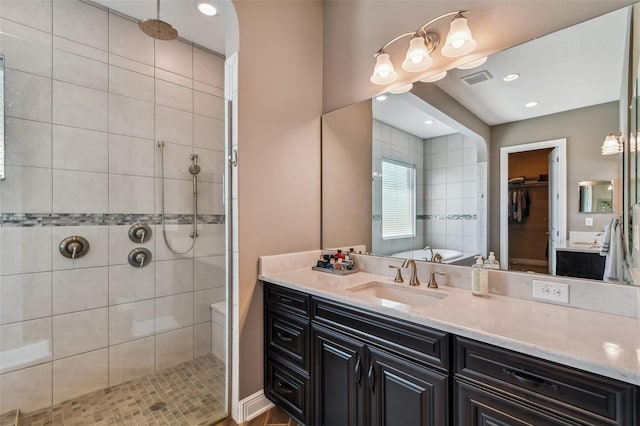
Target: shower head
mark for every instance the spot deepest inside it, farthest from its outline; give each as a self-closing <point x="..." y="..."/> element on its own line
<point x="194" y="168"/>
<point x="155" y="28"/>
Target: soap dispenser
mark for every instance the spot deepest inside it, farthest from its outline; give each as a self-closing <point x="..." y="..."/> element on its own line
<point x="479" y="278"/>
<point x="491" y="262"/>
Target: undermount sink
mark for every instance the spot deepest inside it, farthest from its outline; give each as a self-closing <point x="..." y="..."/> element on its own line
<point x="392" y="295"/>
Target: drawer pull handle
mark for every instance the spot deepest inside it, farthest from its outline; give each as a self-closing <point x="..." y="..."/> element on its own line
<point x="284" y="388"/>
<point x="530" y="380"/>
<point x="285" y="299"/>
<point x="283" y="338"/>
<point x="371" y="377"/>
<point x="358" y="371"/>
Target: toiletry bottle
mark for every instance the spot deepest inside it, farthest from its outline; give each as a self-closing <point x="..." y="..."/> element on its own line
<point x="491" y="262"/>
<point x="479" y="278"/>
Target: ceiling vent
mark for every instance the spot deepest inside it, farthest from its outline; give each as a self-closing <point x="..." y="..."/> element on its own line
<point x="477" y="77"/>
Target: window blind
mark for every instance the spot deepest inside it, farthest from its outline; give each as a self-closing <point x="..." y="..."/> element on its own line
<point x="398" y="200"/>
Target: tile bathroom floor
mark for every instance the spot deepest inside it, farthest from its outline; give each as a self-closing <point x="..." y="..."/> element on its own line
<point x="273" y="417"/>
<point x="188" y="394"/>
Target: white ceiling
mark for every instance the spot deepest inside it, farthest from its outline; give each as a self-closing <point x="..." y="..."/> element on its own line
<point x="193" y="26"/>
<point x="572" y="68"/>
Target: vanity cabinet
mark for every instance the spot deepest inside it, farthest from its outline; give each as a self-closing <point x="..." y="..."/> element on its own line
<point x="580" y="264"/>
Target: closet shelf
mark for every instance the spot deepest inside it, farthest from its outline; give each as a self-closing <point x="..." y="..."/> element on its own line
<point x="528" y="184"/>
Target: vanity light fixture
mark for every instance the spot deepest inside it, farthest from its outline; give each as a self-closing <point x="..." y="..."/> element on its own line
<point x="531" y="104"/>
<point x="435" y="77"/>
<point x="418" y="58"/>
<point x="473" y="64"/>
<point x="613" y="144"/>
<point x="511" y="77"/>
<point x="381" y="98"/>
<point x="207" y="8"/>
<point x="400" y="89"/>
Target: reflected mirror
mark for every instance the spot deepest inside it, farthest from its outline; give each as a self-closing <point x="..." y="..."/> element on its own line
<point x="451" y="132"/>
<point x="595" y="196"/>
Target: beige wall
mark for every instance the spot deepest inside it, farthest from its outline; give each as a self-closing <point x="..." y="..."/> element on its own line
<point x="346" y="176"/>
<point x="584" y="130"/>
<point x="279" y="109"/>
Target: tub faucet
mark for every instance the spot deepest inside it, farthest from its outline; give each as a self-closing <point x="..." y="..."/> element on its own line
<point x="431" y="250"/>
<point x="413" y="281"/>
<point x="436" y="258"/>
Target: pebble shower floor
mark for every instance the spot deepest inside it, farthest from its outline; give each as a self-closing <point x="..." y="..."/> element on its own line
<point x="189" y="394"/>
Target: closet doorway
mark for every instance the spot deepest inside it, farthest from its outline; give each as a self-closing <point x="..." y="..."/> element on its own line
<point x="532" y="205"/>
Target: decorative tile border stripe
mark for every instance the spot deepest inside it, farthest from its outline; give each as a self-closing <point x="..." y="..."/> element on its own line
<point x="101" y="219"/>
<point x="378" y="217"/>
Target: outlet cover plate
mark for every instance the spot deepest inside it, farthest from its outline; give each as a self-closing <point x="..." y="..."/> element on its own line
<point x="550" y="291"/>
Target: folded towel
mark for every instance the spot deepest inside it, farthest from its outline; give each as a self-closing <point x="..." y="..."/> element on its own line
<point x="606" y="240"/>
<point x="614" y="266"/>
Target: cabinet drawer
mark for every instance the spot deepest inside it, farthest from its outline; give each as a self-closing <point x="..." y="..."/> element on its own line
<point x="289" y="336"/>
<point x="289" y="390"/>
<point x="585" y="396"/>
<point x="411" y="340"/>
<point x="286" y="299"/>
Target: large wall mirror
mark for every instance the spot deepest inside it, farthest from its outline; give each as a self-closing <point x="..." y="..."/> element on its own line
<point x="441" y="145"/>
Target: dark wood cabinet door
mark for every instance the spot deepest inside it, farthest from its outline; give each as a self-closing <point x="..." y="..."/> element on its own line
<point x="405" y="393"/>
<point x="338" y="379"/>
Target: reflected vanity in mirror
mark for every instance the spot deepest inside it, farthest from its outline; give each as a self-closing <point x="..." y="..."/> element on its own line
<point x="595" y="196"/>
<point x="450" y="134"/>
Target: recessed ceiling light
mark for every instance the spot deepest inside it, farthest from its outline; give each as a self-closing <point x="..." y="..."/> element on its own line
<point x="511" y="77"/>
<point x="206" y="8"/>
<point x="381" y="98"/>
<point x="531" y="104"/>
<point x="428" y="122"/>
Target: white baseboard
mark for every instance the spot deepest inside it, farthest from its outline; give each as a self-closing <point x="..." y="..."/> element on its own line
<point x="252" y="406"/>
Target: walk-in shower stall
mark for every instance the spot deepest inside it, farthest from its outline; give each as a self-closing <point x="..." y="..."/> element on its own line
<point x="113" y="247"/>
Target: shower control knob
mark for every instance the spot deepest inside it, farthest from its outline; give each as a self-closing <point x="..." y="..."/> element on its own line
<point x="140" y="233"/>
<point x="73" y="247"/>
<point x="139" y="257"/>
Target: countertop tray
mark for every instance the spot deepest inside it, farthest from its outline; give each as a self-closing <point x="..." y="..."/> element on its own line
<point x="335" y="271"/>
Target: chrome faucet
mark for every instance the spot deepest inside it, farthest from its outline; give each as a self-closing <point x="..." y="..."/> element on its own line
<point x="413" y="281"/>
<point x="431" y="250"/>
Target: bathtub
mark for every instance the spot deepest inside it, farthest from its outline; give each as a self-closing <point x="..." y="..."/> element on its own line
<point x="448" y="256"/>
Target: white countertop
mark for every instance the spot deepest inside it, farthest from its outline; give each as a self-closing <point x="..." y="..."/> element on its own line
<point x="585" y="247"/>
<point x="592" y="341"/>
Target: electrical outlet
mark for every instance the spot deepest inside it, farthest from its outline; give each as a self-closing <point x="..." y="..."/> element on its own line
<point x="588" y="221"/>
<point x="554" y="292"/>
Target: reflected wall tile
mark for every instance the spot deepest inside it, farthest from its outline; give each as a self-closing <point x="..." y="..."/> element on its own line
<point x="98" y="254"/>
<point x="174" y="95"/>
<point x="174" y="347"/>
<point x="129" y="284"/>
<point x="202" y="339"/>
<point x="79" y="192"/>
<point x="131" y="321"/>
<point x="173" y="125"/>
<point x="79" y="332"/>
<point x="178" y="196"/>
<point x="131" y="194"/>
<point x="131" y="360"/>
<point x="80" y="70"/>
<point x="202" y="300"/>
<point x="173" y="277"/>
<point x="26" y="189"/>
<point x="31" y="250"/>
<point x="27" y="96"/>
<point x="209" y="89"/>
<point x="209" y="272"/>
<point x="131" y="156"/>
<point x="126" y="39"/>
<point x="208" y="132"/>
<point x="210" y="198"/>
<point x="173" y="78"/>
<point x="175" y="56"/>
<point x="24" y="297"/>
<point x="79" y="149"/>
<point x="131" y="84"/>
<point x="176" y="161"/>
<point x="79" y="106"/>
<point x="34" y="13"/>
<point x="130" y="65"/>
<point x="131" y="117"/>
<point x="28" y="389"/>
<point x="80" y="374"/>
<point x="179" y="239"/>
<point x="24" y="344"/>
<point x="80" y="49"/>
<point x="208" y="68"/>
<point x="80" y="289"/>
<point x="120" y="245"/>
<point x="173" y="312"/>
<point x="81" y="22"/>
<point x="27" y="143"/>
<point x="25" y="49"/>
<point x="208" y="105"/>
<point x="211" y="241"/>
<point x="213" y="165"/>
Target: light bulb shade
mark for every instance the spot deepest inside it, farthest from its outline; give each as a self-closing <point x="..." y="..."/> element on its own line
<point x="611" y="145"/>
<point x="459" y="40"/>
<point x="435" y="77"/>
<point x="417" y="58"/>
<point x="383" y="72"/>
